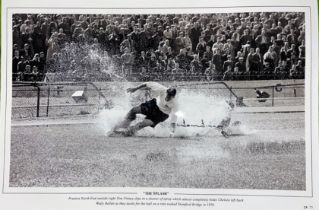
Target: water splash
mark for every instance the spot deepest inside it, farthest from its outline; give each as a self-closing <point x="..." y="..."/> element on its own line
<point x="83" y="61"/>
<point x="194" y="108"/>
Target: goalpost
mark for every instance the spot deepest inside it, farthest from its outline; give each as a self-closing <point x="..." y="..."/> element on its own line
<point x="40" y="99"/>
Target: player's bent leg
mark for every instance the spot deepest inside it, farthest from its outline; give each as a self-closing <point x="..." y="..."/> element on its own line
<point x="140" y="125"/>
<point x="130" y="116"/>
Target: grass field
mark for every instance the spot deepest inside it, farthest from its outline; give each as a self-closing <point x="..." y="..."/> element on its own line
<point x="80" y="155"/>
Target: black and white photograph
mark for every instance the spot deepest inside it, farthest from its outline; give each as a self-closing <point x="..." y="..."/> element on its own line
<point x="162" y="100"/>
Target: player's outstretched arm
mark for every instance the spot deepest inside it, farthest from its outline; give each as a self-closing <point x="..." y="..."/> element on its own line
<point x="132" y="90"/>
<point x="155" y="87"/>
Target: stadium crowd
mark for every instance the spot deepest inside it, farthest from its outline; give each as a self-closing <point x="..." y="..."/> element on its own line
<point x="232" y="46"/>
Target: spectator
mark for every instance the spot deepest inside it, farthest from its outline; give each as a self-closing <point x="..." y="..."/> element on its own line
<point x="280" y="41"/>
<point x="293" y="72"/>
<point x="143" y="61"/>
<point x="280" y="72"/>
<point x="15" y="61"/>
<point x="161" y="64"/>
<point x="17" y="40"/>
<point x="207" y="56"/>
<point x="210" y="72"/>
<point x="27" y="25"/>
<point x="194" y="35"/>
<point x="228" y="74"/>
<point x="170" y="65"/>
<point x="236" y="39"/>
<point x="38" y="39"/>
<point x="241" y="68"/>
<point x="187" y="41"/>
<point x="292" y="37"/>
<point x="53" y="46"/>
<point x="263" y="41"/>
<point x="201" y="47"/>
<point x="245" y="38"/>
<point x="26" y="52"/>
<point x="227" y="63"/>
<point x="196" y="66"/>
<point x="126" y="59"/>
<point x="283" y="56"/>
<point x="61" y="37"/>
<point x="302" y="50"/>
<point x="168" y="34"/>
<point x="229" y="47"/>
<point x="65" y="26"/>
<point x="165" y="48"/>
<point x="300" y="70"/>
<point x="177" y="70"/>
<point x="152" y="64"/>
<point x="267" y="72"/>
<point x="35" y="61"/>
<point x="21" y="65"/>
<point x="256" y="65"/>
<point x="27" y="73"/>
<point x="292" y="54"/>
<point x="211" y="41"/>
<point x="217" y="61"/>
<point x="269" y="57"/>
<point x="126" y="44"/>
<point x="34" y="76"/>
<point x="179" y="43"/>
<point x="218" y="45"/>
<point x="182" y="59"/>
<point x="251" y="64"/>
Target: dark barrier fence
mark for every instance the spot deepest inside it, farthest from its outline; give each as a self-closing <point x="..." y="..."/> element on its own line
<point x="160" y="76"/>
<point x="38" y="99"/>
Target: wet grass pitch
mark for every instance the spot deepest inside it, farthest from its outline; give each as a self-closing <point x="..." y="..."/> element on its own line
<point x="80" y="155"/>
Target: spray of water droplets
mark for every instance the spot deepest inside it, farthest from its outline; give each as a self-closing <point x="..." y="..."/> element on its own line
<point x="83" y="61"/>
<point x="194" y="108"/>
